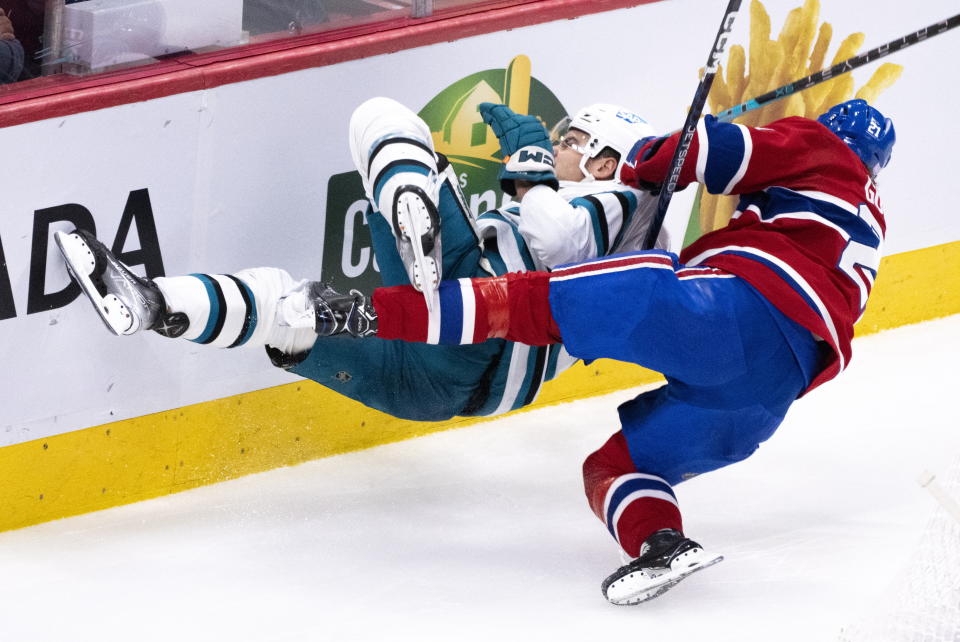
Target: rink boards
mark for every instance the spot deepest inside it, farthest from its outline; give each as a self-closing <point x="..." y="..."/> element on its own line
<point x="256" y="172"/>
<point x="170" y="451"/>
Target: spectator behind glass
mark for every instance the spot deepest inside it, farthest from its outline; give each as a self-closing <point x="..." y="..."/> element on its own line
<point x="27" y="18"/>
<point x="11" y="52"/>
<point x="270" y="16"/>
<point x="259" y="16"/>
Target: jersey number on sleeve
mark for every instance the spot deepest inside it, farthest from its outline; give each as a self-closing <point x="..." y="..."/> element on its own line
<point x="861" y="262"/>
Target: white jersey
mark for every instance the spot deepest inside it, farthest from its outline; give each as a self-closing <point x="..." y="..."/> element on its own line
<point x="550" y="228"/>
<point x="581" y="221"/>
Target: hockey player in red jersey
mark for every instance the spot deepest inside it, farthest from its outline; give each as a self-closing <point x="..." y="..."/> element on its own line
<point x="746" y="320"/>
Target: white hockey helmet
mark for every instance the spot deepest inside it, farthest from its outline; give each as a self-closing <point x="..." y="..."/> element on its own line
<point x="607" y="125"/>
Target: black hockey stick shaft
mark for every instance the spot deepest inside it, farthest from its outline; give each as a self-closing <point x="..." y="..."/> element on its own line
<point x="840" y="68"/>
<point x="690" y="125"/>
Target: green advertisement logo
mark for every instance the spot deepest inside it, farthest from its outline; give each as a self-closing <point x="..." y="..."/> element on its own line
<point x="459" y="134"/>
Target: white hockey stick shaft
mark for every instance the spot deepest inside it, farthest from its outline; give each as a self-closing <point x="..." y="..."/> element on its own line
<point x="929" y="481"/>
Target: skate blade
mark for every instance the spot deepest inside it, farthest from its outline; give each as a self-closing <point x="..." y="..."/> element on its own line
<point x="415" y="222"/>
<point x="80" y="263"/>
<point x="656" y="586"/>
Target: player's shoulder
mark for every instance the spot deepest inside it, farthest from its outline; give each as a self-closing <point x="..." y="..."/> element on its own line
<point x="801" y="125"/>
<point x="804" y="135"/>
<point x="507" y="214"/>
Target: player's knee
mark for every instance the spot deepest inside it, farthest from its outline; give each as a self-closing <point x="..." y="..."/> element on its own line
<point x="267" y="284"/>
<point x="379" y="117"/>
<point x="374" y="109"/>
<point x="612" y="457"/>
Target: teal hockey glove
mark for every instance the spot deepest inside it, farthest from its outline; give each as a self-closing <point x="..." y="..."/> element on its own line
<point x="525" y="146"/>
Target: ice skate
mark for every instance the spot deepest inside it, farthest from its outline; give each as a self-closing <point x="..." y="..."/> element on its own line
<point x="125" y="302"/>
<point x="666" y="558"/>
<point x="416" y="224"/>
<point x="318" y="306"/>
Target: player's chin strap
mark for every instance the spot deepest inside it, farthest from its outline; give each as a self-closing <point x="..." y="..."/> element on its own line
<point x="587" y="176"/>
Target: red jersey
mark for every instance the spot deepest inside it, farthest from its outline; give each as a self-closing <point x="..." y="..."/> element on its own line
<point x="808" y="230"/>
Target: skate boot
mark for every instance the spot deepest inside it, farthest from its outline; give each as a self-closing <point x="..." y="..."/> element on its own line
<point x="125" y="302"/>
<point x="666" y="557"/>
<point x="317" y="305"/>
<point x="416" y="224"/>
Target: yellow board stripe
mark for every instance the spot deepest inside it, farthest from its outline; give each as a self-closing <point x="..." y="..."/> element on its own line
<point x="166" y="452"/>
<point x="912" y="287"/>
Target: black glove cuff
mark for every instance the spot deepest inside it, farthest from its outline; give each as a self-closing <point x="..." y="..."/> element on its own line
<point x="508" y="185"/>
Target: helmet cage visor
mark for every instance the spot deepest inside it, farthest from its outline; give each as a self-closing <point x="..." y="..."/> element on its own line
<point x="560" y="138"/>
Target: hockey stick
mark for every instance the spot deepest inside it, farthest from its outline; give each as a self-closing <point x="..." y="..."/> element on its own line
<point x="798" y="85"/>
<point x="840" y="68"/>
<point x="690" y="125"/>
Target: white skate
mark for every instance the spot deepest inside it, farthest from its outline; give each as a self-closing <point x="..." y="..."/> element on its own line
<point x="416" y="224"/>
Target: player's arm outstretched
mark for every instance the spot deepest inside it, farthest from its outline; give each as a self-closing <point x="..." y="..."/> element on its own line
<point x="728" y="158"/>
<point x="515" y="306"/>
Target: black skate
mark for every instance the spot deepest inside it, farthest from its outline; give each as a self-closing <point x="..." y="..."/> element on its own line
<point x="318" y="306"/>
<point x="416" y="224"/>
<point x="125" y="302"/>
<point x="666" y="557"/>
<point x="337" y="313"/>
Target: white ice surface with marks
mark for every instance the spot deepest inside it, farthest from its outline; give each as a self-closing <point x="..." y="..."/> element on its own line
<point x="483" y="533"/>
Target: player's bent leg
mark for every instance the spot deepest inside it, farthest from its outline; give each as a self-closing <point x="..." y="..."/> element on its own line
<point x="382" y="122"/>
<point x="681" y="430"/>
<point x="241" y="309"/>
<point x="222" y="310"/>
<point x="393" y="152"/>
<point x="641" y="512"/>
<point x="654" y="312"/>
<point x="632" y="505"/>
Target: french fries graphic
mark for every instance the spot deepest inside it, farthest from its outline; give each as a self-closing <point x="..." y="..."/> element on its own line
<point x="799" y="50"/>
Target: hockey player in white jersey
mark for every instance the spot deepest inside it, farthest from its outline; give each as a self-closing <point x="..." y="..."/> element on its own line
<point x="421" y="231"/>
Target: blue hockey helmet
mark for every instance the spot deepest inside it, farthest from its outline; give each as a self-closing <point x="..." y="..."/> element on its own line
<point x="864" y="129"/>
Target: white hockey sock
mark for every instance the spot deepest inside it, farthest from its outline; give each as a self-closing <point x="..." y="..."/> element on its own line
<point x="392" y="147"/>
<point x="232" y="310"/>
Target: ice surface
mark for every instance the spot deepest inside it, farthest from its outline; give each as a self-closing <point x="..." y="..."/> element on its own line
<point x="483" y="533"/>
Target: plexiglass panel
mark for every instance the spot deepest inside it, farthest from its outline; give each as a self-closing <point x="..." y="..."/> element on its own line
<point x="81" y="37"/>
